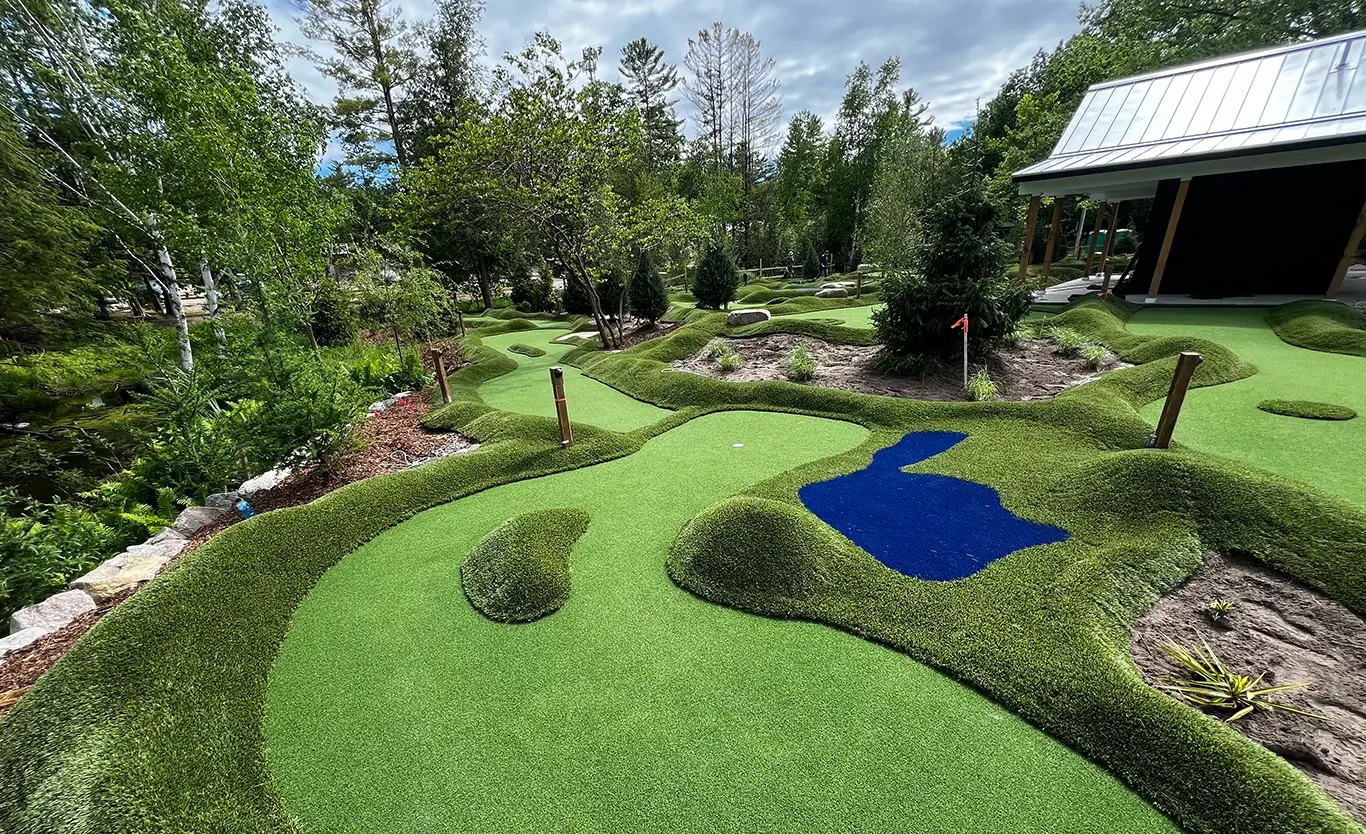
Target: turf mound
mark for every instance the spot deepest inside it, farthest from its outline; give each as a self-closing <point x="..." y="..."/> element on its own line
<point x="1321" y="325"/>
<point x="520" y="571"/>
<point x="1307" y="409"/>
<point x="751" y="553"/>
<point x="525" y="350"/>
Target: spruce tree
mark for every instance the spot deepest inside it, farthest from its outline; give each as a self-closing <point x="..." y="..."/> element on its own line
<point x="717" y="278"/>
<point x="811" y="267"/>
<point x="610" y="291"/>
<point x="647" y="296"/>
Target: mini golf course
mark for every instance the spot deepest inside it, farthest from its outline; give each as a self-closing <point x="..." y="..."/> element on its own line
<point x="691" y="648"/>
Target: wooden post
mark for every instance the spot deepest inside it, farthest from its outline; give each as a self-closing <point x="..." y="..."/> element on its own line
<point x="440" y="362"/>
<point x="1028" y="237"/>
<point x="1052" y="241"/>
<point x="561" y="410"/>
<point x="1091" y="240"/>
<point x="1181" y="380"/>
<point x="1109" y="238"/>
<point x="1081" y="229"/>
<point x="1348" y="254"/>
<point x="1167" y="238"/>
<point x="460" y="314"/>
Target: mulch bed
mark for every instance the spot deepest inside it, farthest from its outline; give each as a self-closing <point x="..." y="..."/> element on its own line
<point x="395" y="440"/>
<point x="1293" y="634"/>
<point x="1032" y="370"/>
<point x="646" y="332"/>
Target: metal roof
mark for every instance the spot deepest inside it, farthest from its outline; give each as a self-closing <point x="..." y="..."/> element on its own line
<point x="1277" y="99"/>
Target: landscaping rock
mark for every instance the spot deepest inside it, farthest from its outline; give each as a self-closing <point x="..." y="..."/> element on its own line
<point x="222" y="500"/>
<point x="833" y="292"/>
<point x="866" y="268"/>
<point x="738" y="317"/>
<point x="52" y="613"/>
<point x="119" y="574"/>
<point x="388" y="402"/>
<point x="193" y="519"/>
<point x="263" y="482"/>
<point x="20" y="639"/>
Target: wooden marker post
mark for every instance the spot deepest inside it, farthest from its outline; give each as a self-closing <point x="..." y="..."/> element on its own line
<point x="1186" y="364"/>
<point x="440" y="361"/>
<point x="561" y="410"/>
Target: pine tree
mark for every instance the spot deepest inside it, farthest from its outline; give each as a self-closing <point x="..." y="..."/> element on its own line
<point x="647" y="295"/>
<point x="611" y="290"/>
<point x="811" y="267"/>
<point x="717" y="278"/>
<point x="648" y="81"/>
<point x="575" y="298"/>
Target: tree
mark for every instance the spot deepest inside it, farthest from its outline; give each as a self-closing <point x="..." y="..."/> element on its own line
<point x="574" y="299"/>
<point x="648" y="297"/>
<point x="914" y="173"/>
<point x="959" y="268"/>
<point x="333" y="319"/>
<point x="1184" y="31"/>
<point x="399" y="293"/>
<point x="717" y="278"/>
<point x="612" y="293"/>
<point x="648" y="82"/>
<point x="374" y="56"/>
<point x="449" y="83"/>
<point x="796" y="212"/>
<point x="708" y="89"/>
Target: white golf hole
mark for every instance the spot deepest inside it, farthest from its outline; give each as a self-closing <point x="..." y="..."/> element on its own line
<point x="737" y="445"/>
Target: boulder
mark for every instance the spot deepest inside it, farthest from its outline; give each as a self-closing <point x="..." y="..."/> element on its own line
<point x="264" y="481"/>
<point x="52" y="613"/>
<point x="20" y="639"/>
<point x="193" y="519"/>
<point x="738" y="317"/>
<point x="865" y="268"/>
<point x="833" y="292"/>
<point x="222" y="500"/>
<point x="119" y="574"/>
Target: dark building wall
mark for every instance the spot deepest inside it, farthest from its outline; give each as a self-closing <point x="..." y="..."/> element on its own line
<point x="1279" y="231"/>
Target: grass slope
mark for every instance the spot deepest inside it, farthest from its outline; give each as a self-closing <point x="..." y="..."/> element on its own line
<point x="520" y="572"/>
<point x="637" y="707"/>
<point x="1321" y="325"/>
<point x="1307" y="409"/>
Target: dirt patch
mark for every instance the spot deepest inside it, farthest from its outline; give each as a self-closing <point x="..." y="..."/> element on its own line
<point x="1292" y="633"/>
<point x="1032" y="370"/>
<point x="395" y="440"/>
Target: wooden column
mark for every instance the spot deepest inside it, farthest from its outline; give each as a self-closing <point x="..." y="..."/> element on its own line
<point x="440" y="362"/>
<point x="1167" y="238"/>
<point x="561" y="409"/>
<point x="1090" y="241"/>
<point x="1052" y="241"/>
<point x="1109" y="237"/>
<point x="1348" y="254"/>
<point x="1186" y="364"/>
<point x="1028" y="237"/>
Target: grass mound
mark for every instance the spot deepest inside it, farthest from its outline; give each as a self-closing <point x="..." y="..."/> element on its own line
<point x="753" y="553"/>
<point x="1321" y="325"/>
<point x="1307" y="409"/>
<point x="520" y="571"/>
<point x="526" y="350"/>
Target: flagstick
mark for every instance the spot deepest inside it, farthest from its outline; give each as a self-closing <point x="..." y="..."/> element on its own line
<point x="965" y="358"/>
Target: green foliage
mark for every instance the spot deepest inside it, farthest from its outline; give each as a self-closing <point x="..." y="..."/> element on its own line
<point x="526" y="350"/>
<point x="533" y="295"/>
<point x="575" y="298"/>
<point x="1220" y="609"/>
<point x="717" y="278"/>
<point x="520" y="571"/>
<point x="811" y="265"/>
<point x="800" y="365"/>
<point x="1212" y="686"/>
<point x="753" y="553"/>
<point x="648" y="298"/>
<point x="960" y="267"/>
<point x="1307" y="410"/>
<point x="725" y="357"/>
<point x="47" y="544"/>
<point x="333" y="319"/>
<point x="611" y="291"/>
<point x="1094" y="355"/>
<point x="981" y="387"/>
<point x="1321" y="325"/>
<point x="1069" y="341"/>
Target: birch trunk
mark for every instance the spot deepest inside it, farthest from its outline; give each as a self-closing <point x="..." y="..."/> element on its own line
<point x="176" y="307"/>
<point x="211" y="298"/>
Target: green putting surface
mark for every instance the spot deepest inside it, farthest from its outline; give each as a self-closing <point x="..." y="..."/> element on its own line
<point x="1224" y="419"/>
<point x="395" y="707"/>
<point x="527" y="390"/>
<point x="848" y="316"/>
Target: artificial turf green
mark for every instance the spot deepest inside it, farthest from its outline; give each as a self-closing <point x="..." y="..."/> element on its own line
<point x="1307" y="409"/>
<point x="526" y="350"/>
<point x="520" y="572"/>
<point x="1321" y="325"/>
<point x="861" y="317"/>
<point x="1225" y="419"/>
<point x="637" y="707"/>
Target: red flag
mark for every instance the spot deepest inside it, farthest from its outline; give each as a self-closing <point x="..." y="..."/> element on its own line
<point x="963" y="323"/>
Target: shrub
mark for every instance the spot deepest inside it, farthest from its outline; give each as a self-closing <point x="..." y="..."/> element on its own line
<point x="811" y="265"/>
<point x="333" y="321"/>
<point x="1094" y="355"/>
<point x="45" y="546"/>
<point x="1069" y="341"/>
<point x="717" y="278"/>
<point x="981" y="387"/>
<point x="800" y="365"/>
<point x="1209" y="685"/>
<point x="725" y="357"/>
<point x="533" y="294"/>
<point x="574" y="299"/>
<point x="959" y="269"/>
<point x="1307" y="409"/>
<point x="520" y="571"/>
<point x="647" y="296"/>
<point x="525" y="350"/>
<point x="1220" y="609"/>
<point x="611" y="291"/>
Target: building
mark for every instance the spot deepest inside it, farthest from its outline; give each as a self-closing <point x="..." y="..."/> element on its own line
<point x="1255" y="163"/>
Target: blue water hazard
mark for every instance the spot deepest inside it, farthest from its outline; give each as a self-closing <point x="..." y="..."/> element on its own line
<point x="926" y="526"/>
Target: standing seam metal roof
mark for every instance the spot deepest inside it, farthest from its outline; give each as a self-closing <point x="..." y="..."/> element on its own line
<point x="1303" y="93"/>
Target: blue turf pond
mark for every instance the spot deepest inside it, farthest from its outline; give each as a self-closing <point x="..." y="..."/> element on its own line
<point x="926" y="526"/>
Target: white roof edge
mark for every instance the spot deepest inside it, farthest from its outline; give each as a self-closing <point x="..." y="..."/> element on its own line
<point x="1232" y="58"/>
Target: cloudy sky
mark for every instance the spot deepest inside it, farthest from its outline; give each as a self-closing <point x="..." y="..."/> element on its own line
<point x="953" y="53"/>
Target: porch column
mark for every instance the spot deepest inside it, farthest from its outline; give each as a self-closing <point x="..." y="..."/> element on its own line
<point x="1052" y="240"/>
<point x="1028" y="237"/>
<point x="1090" y="241"/>
<point x="1109" y="237"/>
<point x="1167" y="240"/>
<point x="1348" y="254"/>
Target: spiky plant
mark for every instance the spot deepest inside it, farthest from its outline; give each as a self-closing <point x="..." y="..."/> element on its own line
<point x="1210" y="686"/>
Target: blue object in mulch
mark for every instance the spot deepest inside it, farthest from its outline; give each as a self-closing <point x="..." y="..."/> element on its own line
<point x="245" y="509"/>
<point x="926" y="526"/>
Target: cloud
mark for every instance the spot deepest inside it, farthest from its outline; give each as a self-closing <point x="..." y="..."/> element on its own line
<point x="953" y="54"/>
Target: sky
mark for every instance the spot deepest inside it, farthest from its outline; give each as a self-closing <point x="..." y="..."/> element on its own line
<point x="952" y="53"/>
